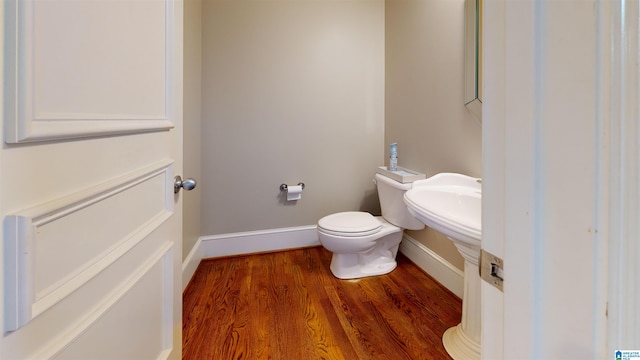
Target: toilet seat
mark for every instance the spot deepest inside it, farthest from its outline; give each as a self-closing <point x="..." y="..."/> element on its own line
<point x="350" y="224"/>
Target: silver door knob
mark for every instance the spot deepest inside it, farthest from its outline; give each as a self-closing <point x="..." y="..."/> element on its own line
<point x="187" y="184"/>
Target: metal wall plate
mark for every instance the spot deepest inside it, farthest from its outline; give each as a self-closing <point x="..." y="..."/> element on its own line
<point x="491" y="269"/>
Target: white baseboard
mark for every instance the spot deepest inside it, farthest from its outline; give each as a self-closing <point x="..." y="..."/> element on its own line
<point x="304" y="236"/>
<point x="190" y="263"/>
<point x="247" y="243"/>
<point x="433" y="264"/>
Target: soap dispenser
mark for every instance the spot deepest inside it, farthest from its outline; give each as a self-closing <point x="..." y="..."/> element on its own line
<point x="393" y="157"/>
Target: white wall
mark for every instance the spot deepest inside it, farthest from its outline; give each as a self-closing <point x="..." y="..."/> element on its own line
<point x="291" y="91"/>
<point x="424" y="97"/>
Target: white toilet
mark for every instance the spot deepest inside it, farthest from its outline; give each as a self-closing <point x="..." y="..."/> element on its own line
<point x="364" y="245"/>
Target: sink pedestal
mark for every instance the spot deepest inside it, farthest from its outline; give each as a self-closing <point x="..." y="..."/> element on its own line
<point x="462" y="341"/>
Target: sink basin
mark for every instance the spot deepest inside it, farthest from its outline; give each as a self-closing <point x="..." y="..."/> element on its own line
<point x="449" y="203"/>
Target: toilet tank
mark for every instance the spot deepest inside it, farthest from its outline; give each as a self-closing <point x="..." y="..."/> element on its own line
<point x="394" y="210"/>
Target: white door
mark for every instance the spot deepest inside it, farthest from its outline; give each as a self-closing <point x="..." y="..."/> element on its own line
<point x="91" y="228"/>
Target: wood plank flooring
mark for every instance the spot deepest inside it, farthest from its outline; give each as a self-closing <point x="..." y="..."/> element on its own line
<point x="288" y="305"/>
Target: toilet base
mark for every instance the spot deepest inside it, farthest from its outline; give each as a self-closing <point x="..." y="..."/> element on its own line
<point x="354" y="266"/>
<point x="371" y="255"/>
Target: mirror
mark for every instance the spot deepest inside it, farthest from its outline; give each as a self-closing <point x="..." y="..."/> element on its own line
<point x="473" y="57"/>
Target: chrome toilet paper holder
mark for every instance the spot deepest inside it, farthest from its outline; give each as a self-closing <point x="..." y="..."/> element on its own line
<point x="285" y="187"/>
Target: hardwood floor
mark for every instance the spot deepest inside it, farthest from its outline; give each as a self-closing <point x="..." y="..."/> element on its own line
<point x="288" y="305"/>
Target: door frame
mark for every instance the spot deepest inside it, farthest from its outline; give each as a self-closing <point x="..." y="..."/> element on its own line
<point x="512" y="142"/>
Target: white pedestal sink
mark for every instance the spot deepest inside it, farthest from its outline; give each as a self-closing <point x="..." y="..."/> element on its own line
<point x="451" y="204"/>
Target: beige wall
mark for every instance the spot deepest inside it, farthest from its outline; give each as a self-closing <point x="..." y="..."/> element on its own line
<point x="424" y="104"/>
<point x="295" y="91"/>
<point x="192" y="123"/>
<point x="291" y="91"/>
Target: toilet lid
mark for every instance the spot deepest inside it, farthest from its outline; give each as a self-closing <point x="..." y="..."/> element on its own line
<point x="350" y="223"/>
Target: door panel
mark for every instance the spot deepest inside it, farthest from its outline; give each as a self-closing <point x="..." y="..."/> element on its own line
<point x="91" y="228"/>
<point x="102" y="343"/>
<point x="113" y="59"/>
<point x="128" y="305"/>
<point x="53" y="252"/>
